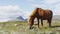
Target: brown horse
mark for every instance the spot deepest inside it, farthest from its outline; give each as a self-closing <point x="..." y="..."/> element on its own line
<point x="42" y="14"/>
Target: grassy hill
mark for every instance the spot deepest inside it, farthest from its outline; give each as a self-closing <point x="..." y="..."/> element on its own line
<point x="21" y="27"/>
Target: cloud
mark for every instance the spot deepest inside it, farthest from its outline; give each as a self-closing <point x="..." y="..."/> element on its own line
<point x="51" y="2"/>
<point x="57" y="9"/>
<point x="41" y="6"/>
<point x="10" y="12"/>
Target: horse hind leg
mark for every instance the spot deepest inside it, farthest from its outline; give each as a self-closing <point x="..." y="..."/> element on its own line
<point x="42" y="22"/>
<point x="38" y="23"/>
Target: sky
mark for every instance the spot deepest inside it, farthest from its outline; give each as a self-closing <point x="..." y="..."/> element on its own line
<point x="11" y="9"/>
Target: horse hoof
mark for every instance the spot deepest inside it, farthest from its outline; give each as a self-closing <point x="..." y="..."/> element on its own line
<point x="31" y="27"/>
<point x="49" y="26"/>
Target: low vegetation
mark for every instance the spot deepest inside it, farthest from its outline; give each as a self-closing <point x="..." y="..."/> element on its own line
<point x="20" y="27"/>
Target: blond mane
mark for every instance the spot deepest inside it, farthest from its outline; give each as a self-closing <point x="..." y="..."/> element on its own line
<point x="33" y="12"/>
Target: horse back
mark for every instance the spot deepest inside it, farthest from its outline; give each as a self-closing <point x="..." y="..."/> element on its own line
<point x="45" y="14"/>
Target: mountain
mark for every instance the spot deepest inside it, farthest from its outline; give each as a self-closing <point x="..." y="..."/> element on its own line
<point x="20" y="17"/>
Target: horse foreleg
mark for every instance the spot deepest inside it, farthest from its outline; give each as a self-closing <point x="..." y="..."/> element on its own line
<point x="38" y="23"/>
<point x="42" y="22"/>
<point x="31" y="24"/>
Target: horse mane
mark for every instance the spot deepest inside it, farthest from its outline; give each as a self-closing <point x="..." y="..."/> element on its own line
<point x="29" y="19"/>
<point x="33" y="12"/>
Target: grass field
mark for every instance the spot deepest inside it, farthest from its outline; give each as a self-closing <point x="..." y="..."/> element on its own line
<point x="20" y="27"/>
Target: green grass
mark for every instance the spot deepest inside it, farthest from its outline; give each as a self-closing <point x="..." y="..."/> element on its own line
<point x="20" y="27"/>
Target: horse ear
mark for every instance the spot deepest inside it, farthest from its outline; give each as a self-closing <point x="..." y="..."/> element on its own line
<point x="41" y="12"/>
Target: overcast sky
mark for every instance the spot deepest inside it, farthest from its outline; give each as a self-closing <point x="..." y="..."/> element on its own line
<point x="10" y="9"/>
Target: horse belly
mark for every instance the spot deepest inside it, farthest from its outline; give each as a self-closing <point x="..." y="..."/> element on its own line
<point x="45" y="17"/>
